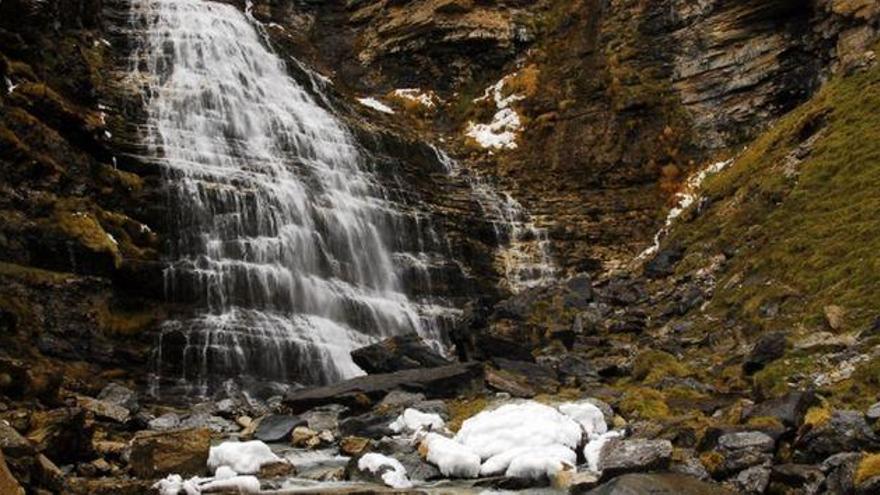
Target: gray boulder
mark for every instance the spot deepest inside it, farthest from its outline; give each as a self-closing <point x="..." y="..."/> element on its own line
<point x="277" y="427"/>
<point x="121" y="396"/>
<point x="845" y="431"/>
<point x="635" y="455"/>
<point x="752" y="481"/>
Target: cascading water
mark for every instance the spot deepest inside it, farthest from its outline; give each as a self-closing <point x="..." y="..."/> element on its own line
<point x="524" y="248"/>
<point x="284" y="236"/>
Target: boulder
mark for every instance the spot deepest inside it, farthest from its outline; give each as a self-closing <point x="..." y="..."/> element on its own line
<point x="663" y="263"/>
<point x="121" y="396"/>
<point x="657" y="484"/>
<point x="620" y="456"/>
<point x="167" y="421"/>
<point x="789" y="409"/>
<point x="323" y="418"/>
<point x="103" y="410"/>
<point x="769" y="348"/>
<point x="352" y="446"/>
<point x="873" y="413"/>
<point x="417" y="468"/>
<point x="12" y="443"/>
<point x="217" y="424"/>
<point x="751" y="440"/>
<point x="796" y="478"/>
<point x="61" y="434"/>
<point x="155" y="454"/>
<point x="8" y="484"/>
<point x="844" y="431"/>
<point x="737" y="451"/>
<point x="303" y="437"/>
<point x="48" y="475"/>
<point x="370" y="425"/>
<point x="277" y="427"/>
<point x="534" y="375"/>
<point x="358" y="393"/>
<point x="752" y="481"/>
<point x="401" y="352"/>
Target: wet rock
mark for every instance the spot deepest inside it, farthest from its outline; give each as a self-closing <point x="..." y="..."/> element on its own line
<point x="276" y="470"/>
<point x="873" y="412"/>
<point x="12" y="443"/>
<point x="509" y="384"/>
<point x="103" y="410"/>
<point x="657" y="484"/>
<point x="577" y="482"/>
<point x="788" y="409"/>
<point x="628" y="456"/>
<point x="303" y="436"/>
<point x="417" y="469"/>
<point x="796" y="478"/>
<point x="370" y="425"/>
<point x="534" y="375"/>
<point x="752" y="481"/>
<point x="167" y="421"/>
<point x="840" y="470"/>
<point x="156" y="454"/>
<point x="844" y="431"/>
<point x="121" y="396"/>
<point x="352" y="446"/>
<point x="401" y="352"/>
<point x="61" y="434"/>
<point x="769" y="348"/>
<point x="358" y="393"/>
<point x="214" y="423"/>
<point x="398" y="399"/>
<point x="323" y="418"/>
<point x="277" y="427"/>
<point x="8" y="484"/>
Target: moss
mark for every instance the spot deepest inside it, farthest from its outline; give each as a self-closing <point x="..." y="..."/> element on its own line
<point x="868" y="468"/>
<point x="463" y="408"/>
<point x="799" y="210"/>
<point x="32" y="276"/>
<point x="712" y="461"/>
<point x="768" y="422"/>
<point x="817" y="416"/>
<point x="652" y="366"/>
<point x="859" y="391"/>
<point x="643" y="403"/>
<point x="85" y="228"/>
<point x="774" y="379"/>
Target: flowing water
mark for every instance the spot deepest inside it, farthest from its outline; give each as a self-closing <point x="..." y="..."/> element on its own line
<point x="284" y="236"/>
<point x="523" y="255"/>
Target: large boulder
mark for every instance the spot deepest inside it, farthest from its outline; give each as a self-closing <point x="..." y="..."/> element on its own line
<point x="401" y="352"/>
<point x="843" y="431"/>
<point x="121" y="396"/>
<point x="658" y="484"/>
<point x="61" y="434"/>
<point x="12" y="443"/>
<point x="155" y="454"/>
<point x="361" y="392"/>
<point x="636" y="455"/>
<point x="789" y="409"/>
<point x="8" y="484"/>
<point x="769" y="348"/>
<point x="277" y="427"/>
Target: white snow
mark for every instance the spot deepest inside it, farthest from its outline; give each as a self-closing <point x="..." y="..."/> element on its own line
<point x="689" y="194"/>
<point x="413" y="420"/>
<point x="501" y="132"/>
<point x="426" y="99"/>
<point x="452" y="458"/>
<point x="394" y="475"/>
<point x="587" y="415"/>
<point x="241" y="457"/>
<point x="375" y="105"/>
<point x="594" y="448"/>
<point x="230" y="482"/>
<point x="541" y="462"/>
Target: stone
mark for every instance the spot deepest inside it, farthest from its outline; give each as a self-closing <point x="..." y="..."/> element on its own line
<point x="121" y="396"/>
<point x="277" y="427"/>
<point x="844" y="431"/>
<point x="873" y="412"/>
<point x="508" y="383"/>
<point x="167" y="421"/>
<point x="443" y="382"/>
<point x="633" y="455"/>
<point x="155" y="454"/>
<point x="769" y="348"/>
<point x="109" y="448"/>
<point x="751" y="440"/>
<point x="579" y="482"/>
<point x="276" y="470"/>
<point x="752" y="481"/>
<point x="401" y="352"/>
<point x="535" y="376"/>
<point x="417" y="468"/>
<point x="796" y="478"/>
<point x="398" y="399"/>
<point x="12" y="442"/>
<point x="789" y="409"/>
<point x="576" y="370"/>
<point x="244" y="421"/>
<point x="657" y="484"/>
<point x="302" y="435"/>
<point x="663" y="263"/>
<point x="47" y="474"/>
<point x="353" y="446"/>
<point x="61" y="434"/>
<point x="8" y="484"/>
<point x="214" y="423"/>
<point x="323" y="418"/>
<point x="103" y="410"/>
<point x="686" y="462"/>
<point x="835" y="317"/>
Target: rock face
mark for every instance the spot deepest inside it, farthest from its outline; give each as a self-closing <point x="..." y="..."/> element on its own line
<point x="184" y="452"/>
<point x="401" y="352"/>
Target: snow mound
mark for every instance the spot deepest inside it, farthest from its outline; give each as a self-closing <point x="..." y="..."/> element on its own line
<point x="230" y="482"/>
<point x="391" y="470"/>
<point x="375" y="105"/>
<point x="541" y="462"/>
<point x="587" y="415"/>
<point x="512" y="426"/>
<point x="413" y="420"/>
<point x="241" y="457"/>
<point x="452" y="458"/>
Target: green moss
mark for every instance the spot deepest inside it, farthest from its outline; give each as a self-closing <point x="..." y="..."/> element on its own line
<point x="463" y="408"/>
<point x="652" y="366"/>
<point x="31" y="275"/>
<point x="85" y="228"/>
<point x="773" y="380"/>
<point x="643" y="403"/>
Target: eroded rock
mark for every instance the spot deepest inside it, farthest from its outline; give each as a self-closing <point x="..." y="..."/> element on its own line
<point x="156" y="454"/>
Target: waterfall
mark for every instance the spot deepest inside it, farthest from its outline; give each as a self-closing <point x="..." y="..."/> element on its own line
<point x="284" y="236"/>
<point x="523" y="255"/>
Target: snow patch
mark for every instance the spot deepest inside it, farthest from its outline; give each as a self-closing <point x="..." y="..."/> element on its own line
<point x="413" y="420"/>
<point x="541" y="462"/>
<point x="375" y="105"/>
<point x="501" y="132"/>
<point x="587" y="415"/>
<point x="241" y="457"/>
<point x="394" y="474"/>
<point x="174" y="484"/>
<point x="424" y="98"/>
<point x="452" y="458"/>
<point x="689" y="194"/>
